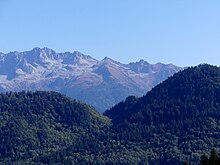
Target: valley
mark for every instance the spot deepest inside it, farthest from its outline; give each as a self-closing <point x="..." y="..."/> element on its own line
<point x="175" y="122"/>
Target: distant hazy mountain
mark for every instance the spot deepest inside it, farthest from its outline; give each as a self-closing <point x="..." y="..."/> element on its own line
<point x="99" y="83"/>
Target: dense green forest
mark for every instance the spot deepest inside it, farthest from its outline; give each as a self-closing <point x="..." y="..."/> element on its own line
<point x="177" y="121"/>
<point x="37" y="124"/>
<point x="49" y="128"/>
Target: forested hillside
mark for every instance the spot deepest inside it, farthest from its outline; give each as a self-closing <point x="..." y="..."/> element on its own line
<point x="37" y="124"/>
<point x="49" y="128"/>
<point x="178" y="119"/>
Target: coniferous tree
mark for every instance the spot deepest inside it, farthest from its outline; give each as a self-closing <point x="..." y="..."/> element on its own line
<point x="185" y="163"/>
<point x="204" y="160"/>
<point x="213" y="160"/>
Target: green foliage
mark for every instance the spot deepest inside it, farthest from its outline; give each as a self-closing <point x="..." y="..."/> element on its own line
<point x="49" y="128"/>
<point x="34" y="125"/>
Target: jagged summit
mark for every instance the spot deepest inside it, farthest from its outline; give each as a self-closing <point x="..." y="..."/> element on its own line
<point x="109" y="61"/>
<point x="141" y="66"/>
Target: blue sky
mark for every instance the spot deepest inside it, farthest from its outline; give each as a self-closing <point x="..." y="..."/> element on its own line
<point x="182" y="32"/>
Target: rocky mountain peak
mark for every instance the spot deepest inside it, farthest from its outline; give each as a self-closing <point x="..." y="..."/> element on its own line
<point x="81" y="59"/>
<point x="140" y="67"/>
<point x="107" y="60"/>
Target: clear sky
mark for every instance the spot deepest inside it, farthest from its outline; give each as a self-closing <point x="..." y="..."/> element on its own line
<point x="182" y="32"/>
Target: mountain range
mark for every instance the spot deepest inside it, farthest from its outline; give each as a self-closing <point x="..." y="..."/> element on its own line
<point x="175" y="122"/>
<point x="101" y="84"/>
